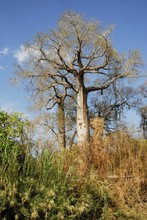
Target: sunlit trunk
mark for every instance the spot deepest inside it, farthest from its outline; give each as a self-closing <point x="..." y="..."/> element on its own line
<point x="61" y="125"/>
<point x="83" y="132"/>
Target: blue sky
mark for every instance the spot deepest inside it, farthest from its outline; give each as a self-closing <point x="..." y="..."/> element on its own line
<point x="20" y="20"/>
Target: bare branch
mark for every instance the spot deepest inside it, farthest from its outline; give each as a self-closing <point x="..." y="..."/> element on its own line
<point x="49" y="108"/>
<point x="95" y="55"/>
<point x="51" y="128"/>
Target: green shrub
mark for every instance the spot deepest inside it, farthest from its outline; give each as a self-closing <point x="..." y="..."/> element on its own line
<point x="43" y="190"/>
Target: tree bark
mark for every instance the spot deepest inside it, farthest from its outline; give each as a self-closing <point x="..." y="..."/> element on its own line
<point x="61" y="125"/>
<point x="83" y="131"/>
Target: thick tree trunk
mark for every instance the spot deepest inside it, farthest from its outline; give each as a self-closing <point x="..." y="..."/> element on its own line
<point x="83" y="131"/>
<point x="61" y="125"/>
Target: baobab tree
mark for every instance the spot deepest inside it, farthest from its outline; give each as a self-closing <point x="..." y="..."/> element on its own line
<point x="78" y="55"/>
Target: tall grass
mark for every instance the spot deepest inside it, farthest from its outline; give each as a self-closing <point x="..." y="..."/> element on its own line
<point x="105" y="180"/>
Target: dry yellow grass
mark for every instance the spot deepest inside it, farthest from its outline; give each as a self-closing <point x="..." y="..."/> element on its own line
<point x="118" y="160"/>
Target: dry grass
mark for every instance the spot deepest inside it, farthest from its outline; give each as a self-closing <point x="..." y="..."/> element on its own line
<point x="120" y="161"/>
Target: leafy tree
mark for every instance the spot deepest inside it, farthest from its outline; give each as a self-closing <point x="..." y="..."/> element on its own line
<point x="78" y="55"/>
<point x="14" y="133"/>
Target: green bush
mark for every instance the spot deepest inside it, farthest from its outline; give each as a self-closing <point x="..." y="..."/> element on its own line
<point x="42" y="190"/>
<point x="14" y="129"/>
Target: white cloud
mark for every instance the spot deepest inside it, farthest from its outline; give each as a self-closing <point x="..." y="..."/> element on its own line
<point x="4" y="51"/>
<point x="21" y="55"/>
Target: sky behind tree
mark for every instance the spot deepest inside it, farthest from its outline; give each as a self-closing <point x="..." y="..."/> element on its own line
<point x="20" y="20"/>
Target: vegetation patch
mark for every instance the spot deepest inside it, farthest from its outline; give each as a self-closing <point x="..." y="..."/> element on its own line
<point x="66" y="185"/>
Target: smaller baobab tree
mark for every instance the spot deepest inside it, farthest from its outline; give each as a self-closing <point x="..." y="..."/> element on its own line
<point x="46" y="92"/>
<point x="55" y="97"/>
